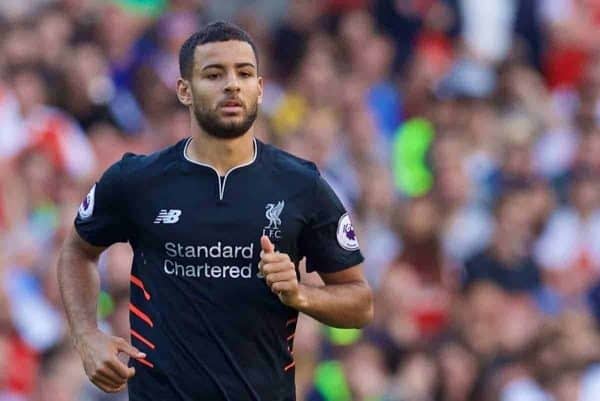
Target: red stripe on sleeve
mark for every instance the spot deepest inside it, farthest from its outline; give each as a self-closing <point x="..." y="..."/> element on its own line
<point x="141" y="314"/>
<point x="145" y="362"/>
<point x="142" y="339"/>
<point x="140" y="284"/>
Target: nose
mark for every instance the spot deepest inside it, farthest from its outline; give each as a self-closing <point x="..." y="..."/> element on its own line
<point x="232" y="84"/>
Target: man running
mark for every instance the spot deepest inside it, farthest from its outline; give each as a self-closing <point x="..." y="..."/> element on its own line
<point x="218" y="224"/>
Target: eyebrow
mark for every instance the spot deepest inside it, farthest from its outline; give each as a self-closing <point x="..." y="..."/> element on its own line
<point x="220" y="66"/>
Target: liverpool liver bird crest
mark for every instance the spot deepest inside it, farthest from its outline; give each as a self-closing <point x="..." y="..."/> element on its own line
<point x="272" y="214"/>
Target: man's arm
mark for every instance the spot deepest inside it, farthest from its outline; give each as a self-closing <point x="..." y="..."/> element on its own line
<point x="344" y="301"/>
<point x="79" y="285"/>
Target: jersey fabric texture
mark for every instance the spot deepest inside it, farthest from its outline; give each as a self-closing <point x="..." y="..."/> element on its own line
<point x="201" y="311"/>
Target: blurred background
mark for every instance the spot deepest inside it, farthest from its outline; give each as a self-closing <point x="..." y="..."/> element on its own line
<point x="464" y="136"/>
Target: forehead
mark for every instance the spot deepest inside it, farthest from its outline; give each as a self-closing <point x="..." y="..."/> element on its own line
<point x="226" y="53"/>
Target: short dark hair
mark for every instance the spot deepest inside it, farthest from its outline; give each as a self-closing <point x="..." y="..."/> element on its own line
<point x="218" y="31"/>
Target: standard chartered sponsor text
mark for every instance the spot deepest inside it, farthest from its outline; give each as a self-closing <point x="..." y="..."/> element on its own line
<point x="195" y="260"/>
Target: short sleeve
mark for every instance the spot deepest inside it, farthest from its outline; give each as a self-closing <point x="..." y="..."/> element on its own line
<point x="101" y="220"/>
<point x="328" y="240"/>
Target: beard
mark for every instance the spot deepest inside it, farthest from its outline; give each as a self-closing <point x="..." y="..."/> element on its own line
<point x="212" y="124"/>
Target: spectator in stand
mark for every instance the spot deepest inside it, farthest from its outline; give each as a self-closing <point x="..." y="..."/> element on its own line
<point x="508" y="261"/>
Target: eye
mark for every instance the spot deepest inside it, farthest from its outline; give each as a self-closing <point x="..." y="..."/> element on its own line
<point x="245" y="74"/>
<point x="212" y="76"/>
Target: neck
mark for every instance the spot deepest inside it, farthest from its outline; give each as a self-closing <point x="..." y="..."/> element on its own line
<point x="221" y="154"/>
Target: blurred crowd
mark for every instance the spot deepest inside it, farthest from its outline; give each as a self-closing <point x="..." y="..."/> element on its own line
<point x="463" y="135"/>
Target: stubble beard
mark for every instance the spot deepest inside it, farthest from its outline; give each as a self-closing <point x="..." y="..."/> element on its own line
<point x="212" y="124"/>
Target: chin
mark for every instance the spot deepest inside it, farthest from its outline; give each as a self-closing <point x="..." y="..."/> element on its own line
<point x="231" y="120"/>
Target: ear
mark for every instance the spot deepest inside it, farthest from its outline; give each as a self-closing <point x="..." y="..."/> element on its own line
<point x="260" y="90"/>
<point x="184" y="91"/>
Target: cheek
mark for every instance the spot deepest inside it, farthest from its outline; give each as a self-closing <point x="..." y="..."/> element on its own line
<point x="204" y="102"/>
<point x="253" y="90"/>
<point x="203" y="95"/>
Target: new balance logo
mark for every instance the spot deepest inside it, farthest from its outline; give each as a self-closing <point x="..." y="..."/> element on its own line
<point x="168" y="216"/>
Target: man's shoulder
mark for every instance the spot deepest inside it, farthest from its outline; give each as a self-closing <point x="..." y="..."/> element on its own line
<point x="287" y="163"/>
<point x="144" y="165"/>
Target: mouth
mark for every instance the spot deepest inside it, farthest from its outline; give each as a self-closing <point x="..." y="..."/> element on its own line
<point x="231" y="106"/>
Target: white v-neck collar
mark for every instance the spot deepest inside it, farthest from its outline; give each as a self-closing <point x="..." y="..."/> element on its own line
<point x="222" y="180"/>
